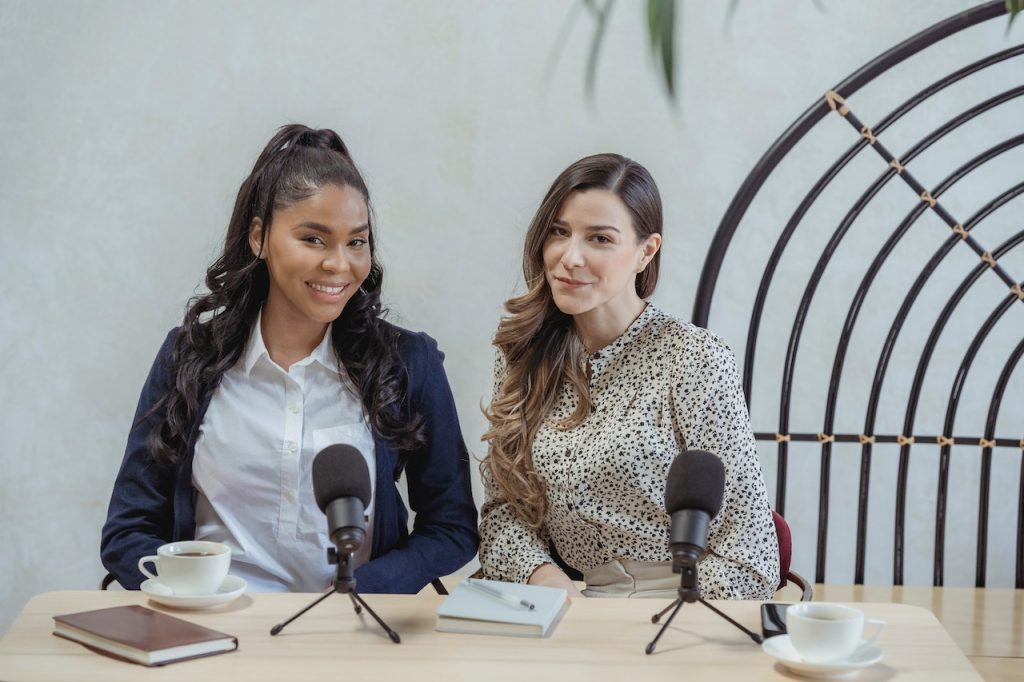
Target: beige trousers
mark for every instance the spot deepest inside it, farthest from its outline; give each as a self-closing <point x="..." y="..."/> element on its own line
<point x="632" y="579"/>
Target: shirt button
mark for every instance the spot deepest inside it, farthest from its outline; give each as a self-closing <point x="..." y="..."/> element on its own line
<point x="292" y="447"/>
<point x="294" y="408"/>
<point x="289" y="495"/>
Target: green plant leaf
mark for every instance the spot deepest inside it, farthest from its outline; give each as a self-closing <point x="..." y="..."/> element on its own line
<point x="668" y="45"/>
<point x="563" y="36"/>
<point x="600" y="13"/>
<point x="661" y="35"/>
<point x="1013" y="8"/>
<point x="652" y="24"/>
<point x="661" y="27"/>
<point x="730" y="11"/>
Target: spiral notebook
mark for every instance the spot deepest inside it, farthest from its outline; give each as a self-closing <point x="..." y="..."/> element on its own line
<point x="475" y="611"/>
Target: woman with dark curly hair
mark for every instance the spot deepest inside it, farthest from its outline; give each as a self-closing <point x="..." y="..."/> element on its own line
<point x="596" y="391"/>
<point x="289" y="353"/>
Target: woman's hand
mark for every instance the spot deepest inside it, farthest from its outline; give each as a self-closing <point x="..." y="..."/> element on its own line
<point x="549" y="575"/>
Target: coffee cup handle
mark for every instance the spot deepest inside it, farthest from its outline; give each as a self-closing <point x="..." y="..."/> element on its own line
<point x="142" y="568"/>
<point x="880" y="625"/>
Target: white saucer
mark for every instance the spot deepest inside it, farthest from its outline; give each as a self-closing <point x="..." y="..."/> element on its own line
<point x="781" y="649"/>
<point x="232" y="588"/>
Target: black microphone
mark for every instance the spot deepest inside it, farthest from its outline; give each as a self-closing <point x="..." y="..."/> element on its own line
<point x="693" y="495"/>
<point x="341" y="485"/>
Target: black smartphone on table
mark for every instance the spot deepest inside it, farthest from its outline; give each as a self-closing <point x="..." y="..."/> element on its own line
<point x="773" y="619"/>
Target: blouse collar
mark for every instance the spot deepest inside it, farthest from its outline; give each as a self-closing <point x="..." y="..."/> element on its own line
<point x="600" y="359"/>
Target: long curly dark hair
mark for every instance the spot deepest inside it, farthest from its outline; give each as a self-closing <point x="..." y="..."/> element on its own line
<point x="296" y="163"/>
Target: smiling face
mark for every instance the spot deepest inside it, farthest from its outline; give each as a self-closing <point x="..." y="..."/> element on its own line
<point x="592" y="256"/>
<point x="317" y="254"/>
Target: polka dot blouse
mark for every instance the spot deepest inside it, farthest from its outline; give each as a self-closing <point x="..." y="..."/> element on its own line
<point x="663" y="387"/>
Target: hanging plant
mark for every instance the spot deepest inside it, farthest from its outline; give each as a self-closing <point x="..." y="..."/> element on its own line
<point x="661" y="36"/>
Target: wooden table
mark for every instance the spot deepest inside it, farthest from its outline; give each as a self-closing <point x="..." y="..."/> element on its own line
<point x="598" y="639"/>
<point x="987" y="624"/>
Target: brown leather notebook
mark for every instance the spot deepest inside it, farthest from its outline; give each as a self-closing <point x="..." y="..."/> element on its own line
<point x="141" y="635"/>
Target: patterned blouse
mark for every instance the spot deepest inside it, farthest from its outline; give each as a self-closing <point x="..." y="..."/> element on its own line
<point x="663" y="387"/>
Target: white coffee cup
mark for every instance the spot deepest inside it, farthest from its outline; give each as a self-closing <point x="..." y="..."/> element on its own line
<point x="823" y="632"/>
<point x="190" y="567"/>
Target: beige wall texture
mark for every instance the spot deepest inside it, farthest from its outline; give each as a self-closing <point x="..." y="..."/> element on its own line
<point x="128" y="126"/>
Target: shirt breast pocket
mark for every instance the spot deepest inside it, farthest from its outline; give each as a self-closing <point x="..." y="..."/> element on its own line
<point x="358" y="436"/>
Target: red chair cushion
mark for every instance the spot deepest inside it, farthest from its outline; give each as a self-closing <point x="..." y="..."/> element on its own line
<point x="785" y="546"/>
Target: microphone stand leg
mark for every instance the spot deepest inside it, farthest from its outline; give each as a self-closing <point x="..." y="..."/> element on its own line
<point x="357" y="600"/>
<point x="753" y="635"/>
<point x="656" y="617"/>
<point x="678" y="604"/>
<point x="280" y="626"/>
<point x="344" y="583"/>
<point x="357" y="603"/>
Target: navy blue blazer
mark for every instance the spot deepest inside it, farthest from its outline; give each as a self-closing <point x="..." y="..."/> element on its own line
<point x="153" y="503"/>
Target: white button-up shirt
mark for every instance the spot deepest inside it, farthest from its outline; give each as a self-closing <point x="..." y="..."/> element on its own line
<point x="253" y="462"/>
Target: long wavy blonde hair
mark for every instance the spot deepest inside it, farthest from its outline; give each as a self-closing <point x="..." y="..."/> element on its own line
<point x="538" y="341"/>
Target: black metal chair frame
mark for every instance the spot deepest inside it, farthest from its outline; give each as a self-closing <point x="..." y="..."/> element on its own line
<point x="835" y="101"/>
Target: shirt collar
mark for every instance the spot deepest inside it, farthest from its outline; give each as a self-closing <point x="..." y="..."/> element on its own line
<point x="600" y="359"/>
<point x="256" y="349"/>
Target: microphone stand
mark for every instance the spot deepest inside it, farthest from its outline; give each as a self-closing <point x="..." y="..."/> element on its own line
<point x="344" y="583"/>
<point x="685" y="561"/>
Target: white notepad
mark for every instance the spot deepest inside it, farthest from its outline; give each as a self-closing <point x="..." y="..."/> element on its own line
<point x="472" y="611"/>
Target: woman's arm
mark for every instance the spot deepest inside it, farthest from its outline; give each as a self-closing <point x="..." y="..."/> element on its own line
<point x="743" y="550"/>
<point x="444" y="536"/>
<point x="510" y="549"/>
<point x="140" y="516"/>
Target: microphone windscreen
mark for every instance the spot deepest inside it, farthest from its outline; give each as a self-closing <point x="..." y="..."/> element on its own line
<point x="340" y="471"/>
<point x="696" y="480"/>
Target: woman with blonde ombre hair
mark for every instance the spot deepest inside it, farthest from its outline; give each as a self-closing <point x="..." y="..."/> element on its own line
<point x="596" y="391"/>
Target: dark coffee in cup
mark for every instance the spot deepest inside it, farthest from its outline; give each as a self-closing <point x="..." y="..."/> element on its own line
<point x="189" y="567"/>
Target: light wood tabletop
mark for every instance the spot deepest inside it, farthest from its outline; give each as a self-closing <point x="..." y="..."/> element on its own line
<point x="597" y="639"/>
<point x="986" y="623"/>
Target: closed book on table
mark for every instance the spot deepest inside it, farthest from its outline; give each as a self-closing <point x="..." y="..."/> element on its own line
<point x="142" y="635"/>
<point x="487" y="607"/>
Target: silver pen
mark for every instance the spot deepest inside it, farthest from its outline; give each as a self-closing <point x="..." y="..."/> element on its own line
<point x="498" y="594"/>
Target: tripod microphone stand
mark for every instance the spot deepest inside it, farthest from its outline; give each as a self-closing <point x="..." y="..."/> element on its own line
<point x="684" y="561"/>
<point x="344" y="583"/>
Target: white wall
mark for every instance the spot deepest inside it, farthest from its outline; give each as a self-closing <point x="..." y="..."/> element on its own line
<point x="127" y="128"/>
